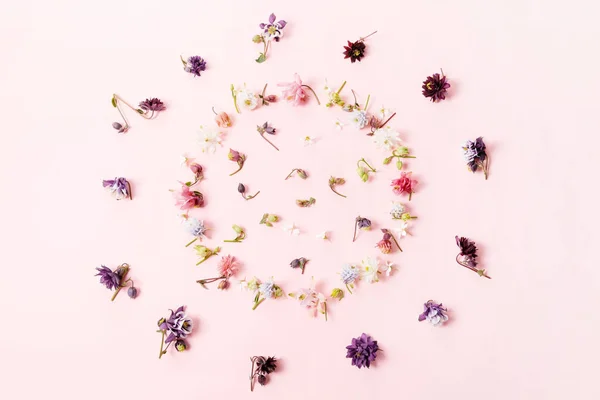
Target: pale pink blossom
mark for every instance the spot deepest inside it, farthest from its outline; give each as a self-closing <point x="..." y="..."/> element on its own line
<point x="294" y="92"/>
<point x="228" y="266"/>
<point x="188" y="199"/>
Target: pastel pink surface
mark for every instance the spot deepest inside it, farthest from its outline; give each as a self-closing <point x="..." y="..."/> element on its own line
<point x="520" y="74"/>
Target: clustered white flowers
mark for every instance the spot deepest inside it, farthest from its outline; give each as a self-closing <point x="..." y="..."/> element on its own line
<point x="369" y="270"/>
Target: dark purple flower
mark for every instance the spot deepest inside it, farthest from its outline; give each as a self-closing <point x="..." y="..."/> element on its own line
<point x="108" y="277"/>
<point x="118" y="187"/>
<point x="266" y="365"/>
<point x="178" y="326"/>
<point x="435" y="87"/>
<point x="468" y="250"/>
<point x="273" y="30"/>
<point x="363" y="223"/>
<point x="153" y="105"/>
<point x="299" y="263"/>
<point x="194" y="65"/>
<point x="434" y="313"/>
<point x="132" y="292"/>
<point x="262" y="379"/>
<point x="362" y="351"/>
<point x="355" y="51"/>
<point x="475" y="153"/>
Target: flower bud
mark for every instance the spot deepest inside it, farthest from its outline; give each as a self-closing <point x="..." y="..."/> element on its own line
<point x="271" y="98"/>
<point x="302" y="173"/>
<point x="257" y="39"/>
<point x="223" y="285"/>
<point x="233" y="155"/>
<point x="161" y="321"/>
<point x="272" y="218"/>
<point x="337" y="293"/>
<point x="180" y="345"/>
<point x="117" y="126"/>
<point x="196" y="169"/>
<point x="387" y="160"/>
<point x="262" y="379"/>
<point x="132" y="292"/>
<point x="405" y="217"/>
<point x="223" y="120"/>
<point x="241" y="188"/>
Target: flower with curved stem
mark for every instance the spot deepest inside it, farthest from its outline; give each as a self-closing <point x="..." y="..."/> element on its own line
<point x="337" y="293"/>
<point x="362" y="351"/>
<point x="355" y="51"/>
<point x="399" y="153"/>
<point x="404" y="185"/>
<point x="222" y="119"/>
<point x="269" y="219"/>
<point x="468" y="255"/>
<point x="300" y="172"/>
<point x="266" y="128"/>
<point x="398" y="209"/>
<point x="227" y="267"/>
<point x="196" y="228"/>
<point x="194" y="65"/>
<point x="187" y="199"/>
<point x="152" y="106"/>
<point x="349" y="275"/>
<point x="118" y="187"/>
<point x="272" y="31"/>
<point x="370" y="270"/>
<point x="385" y="244"/>
<point x="261" y="367"/>
<point x="205" y="253"/>
<point x="333" y="182"/>
<point x="314" y="301"/>
<point x="334" y="97"/>
<point x="174" y="330"/>
<point x="295" y="93"/>
<point x="363" y="172"/>
<point x="435" y="87"/>
<point x="241" y="234"/>
<point x="242" y="191"/>
<point x="475" y="155"/>
<point x="237" y="157"/>
<point x="114" y="280"/>
<point x="266" y="99"/>
<point x="299" y="263"/>
<point x="209" y="139"/>
<point x="147" y="109"/>
<point x="361" y="223"/>
<point x="434" y="313"/>
<point x="306" y="203"/>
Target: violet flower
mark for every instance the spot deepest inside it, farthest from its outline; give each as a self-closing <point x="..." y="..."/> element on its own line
<point x="116" y="280"/>
<point x="355" y="51"/>
<point x="266" y="128"/>
<point x="152" y="105"/>
<point x="468" y="255"/>
<point x="242" y="190"/>
<point x="118" y="187"/>
<point x="272" y="31"/>
<point x="194" y="65"/>
<point x="174" y="329"/>
<point x="434" y="313"/>
<point x="147" y="109"/>
<point x="362" y="351"/>
<point x="299" y="263"/>
<point x="435" y="87"/>
<point x="361" y="223"/>
<point x="261" y="367"/>
<point x="476" y="156"/>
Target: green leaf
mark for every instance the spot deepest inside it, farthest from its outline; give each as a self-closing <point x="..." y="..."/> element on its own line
<point x="399" y="164"/>
<point x="114" y="102"/>
<point x="140" y="111"/>
<point x="270" y="225"/>
<point x="188" y="184"/>
<point x="261" y="58"/>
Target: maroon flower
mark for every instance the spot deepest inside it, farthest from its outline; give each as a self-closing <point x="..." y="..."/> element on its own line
<point x="435" y="87"/>
<point x="355" y="51"/>
<point x="153" y="105"/>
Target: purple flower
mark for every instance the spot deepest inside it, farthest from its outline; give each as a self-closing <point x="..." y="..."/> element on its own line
<point x="475" y="153"/>
<point x="362" y="351"/>
<point x="273" y="30"/>
<point x="194" y="65"/>
<point x="118" y="187"/>
<point x="434" y="313"/>
<point x="153" y="105"/>
<point x="178" y="326"/>
<point x="108" y="277"/>
<point x="435" y="87"/>
<point x="468" y="250"/>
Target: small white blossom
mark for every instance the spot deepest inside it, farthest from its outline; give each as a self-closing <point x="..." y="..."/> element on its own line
<point x="436" y="319"/>
<point x="370" y="270"/>
<point x="397" y="210"/>
<point x="247" y="99"/>
<point x="292" y="229"/>
<point x="323" y="235"/>
<point x="359" y="119"/>
<point x="308" y="141"/>
<point x="388" y="268"/>
<point x="339" y="125"/>
<point x="209" y="139"/>
<point x="386" y="138"/>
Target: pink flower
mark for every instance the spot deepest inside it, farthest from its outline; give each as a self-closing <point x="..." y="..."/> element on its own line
<point x="227" y="266"/>
<point x="188" y="199"/>
<point x="294" y="92"/>
<point x="404" y="184"/>
<point x="223" y="120"/>
<point x="385" y="245"/>
<point x="196" y="170"/>
<point x="233" y="155"/>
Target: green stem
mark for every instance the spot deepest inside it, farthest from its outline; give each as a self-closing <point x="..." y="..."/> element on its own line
<point x="334" y="191"/>
<point x="237" y="109"/>
<point x="370" y="34"/>
<point x="206" y="258"/>
<point x="238" y="170"/>
<point x="355" y="226"/>
<point x="188" y="245"/>
<point x="341" y="87"/>
<point x="347" y="287"/>
<point x="313" y="92"/>
<point x="123" y="279"/>
<point x="263" y="136"/>
<point x="409" y="196"/>
<point x="236" y="240"/>
<point x="251" y="197"/>
<point x="367" y="164"/>
<point x="294" y="170"/>
<point x="162" y="341"/>
<point x="325" y="309"/>
<point x="367" y="102"/>
<point x="256" y="304"/>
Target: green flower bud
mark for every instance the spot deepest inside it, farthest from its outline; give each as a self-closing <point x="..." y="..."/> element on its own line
<point x="387" y="160"/>
<point x="257" y="39"/>
<point x="337" y="293"/>
<point x="180" y="345"/>
<point x="272" y="218"/>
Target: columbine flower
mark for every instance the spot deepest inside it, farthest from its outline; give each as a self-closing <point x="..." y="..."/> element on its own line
<point x="268" y="219"/>
<point x="241" y="234"/>
<point x="152" y="105"/>
<point x="299" y="263"/>
<point x="242" y="190"/>
<point x="266" y="128"/>
<point x="263" y="290"/>
<point x="323" y="235"/>
<point x="359" y="118"/>
<point x="361" y="223"/>
<point x="248" y="99"/>
<point x="435" y="87"/>
<point x="196" y="228"/>
<point x="261" y="367"/>
<point x="333" y="182"/>
<point x="476" y="156"/>
<point x="349" y="275"/>
<point x="404" y="185"/>
<point x="363" y="172"/>
<point x="227" y="267"/>
<point x="273" y="31"/>
<point x="385" y="244"/>
<point x="209" y="139"/>
<point x="292" y="229"/>
<point x="399" y="153"/>
<point x="386" y="138"/>
<point x="147" y="110"/>
<point x="355" y="51"/>
<point x="204" y="253"/>
<point x="468" y="255"/>
<point x="118" y="187"/>
<point x="401" y="230"/>
<point x="314" y="301"/>
<point x="362" y="351"/>
<point x="222" y="119"/>
<point x="295" y="93"/>
<point x="370" y="270"/>
<point x="109" y="278"/>
<point x="188" y="199"/>
<point x="434" y="313"/>
<point x="301" y="173"/>
<point x="397" y="210"/>
<point x="194" y="65"/>
<point x="237" y="157"/>
<point x="339" y="125"/>
<point x="174" y="329"/>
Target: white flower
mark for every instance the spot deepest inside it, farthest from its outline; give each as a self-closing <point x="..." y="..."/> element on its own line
<point x="385" y="112"/>
<point x="292" y="229"/>
<point x="388" y="268"/>
<point x="209" y="139"/>
<point x="370" y="270"/>
<point x="397" y="210"/>
<point x="184" y="160"/>
<point x="323" y="235"/>
<point x="359" y="119"/>
<point x="349" y="274"/>
<point x="339" y="125"/>
<point x="386" y="138"/>
<point x="436" y="318"/>
<point x="247" y="99"/>
<point x="308" y="141"/>
<point x="252" y="285"/>
<point x="196" y="227"/>
<point x="401" y="230"/>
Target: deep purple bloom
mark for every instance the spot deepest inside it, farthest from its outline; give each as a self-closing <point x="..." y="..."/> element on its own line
<point x="475" y="153"/>
<point x="468" y="250"/>
<point x="362" y="351"/>
<point x="435" y="87"/>
<point x="266" y="128"/>
<point x="265" y="366"/>
<point x="434" y="313"/>
<point x="178" y="326"/>
<point x="108" y="277"/>
<point x="273" y="30"/>
<point x="363" y="223"/>
<point x="195" y="65"/>
<point x="118" y="187"/>
<point x="355" y="51"/>
<point x="132" y="292"/>
<point x="153" y="105"/>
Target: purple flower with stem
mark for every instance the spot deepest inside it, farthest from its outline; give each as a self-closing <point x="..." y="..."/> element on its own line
<point x="118" y="187"/>
<point x="476" y="156"/>
<point x="468" y="255"/>
<point x="266" y="128"/>
<point x="434" y="313"/>
<point x="174" y="329"/>
<point x="435" y="87"/>
<point x="261" y="367"/>
<point x="115" y="280"/>
<point x="362" y="351"/>
<point x="272" y="31"/>
<point x="194" y="65"/>
<point x="147" y="109"/>
<point x="299" y="263"/>
<point x="242" y="190"/>
<point x="361" y="223"/>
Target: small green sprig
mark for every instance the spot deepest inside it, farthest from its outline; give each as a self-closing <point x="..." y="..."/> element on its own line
<point x="399" y="153"/>
<point x="234" y="95"/>
<point x="205" y="253"/>
<point x="241" y="234"/>
<point x="269" y="219"/>
<point x="333" y="182"/>
<point x="300" y="172"/>
<point x="363" y="172"/>
<point x="306" y="203"/>
<point x="337" y="293"/>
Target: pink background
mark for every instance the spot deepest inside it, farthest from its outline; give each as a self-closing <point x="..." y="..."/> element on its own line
<point x="523" y="76"/>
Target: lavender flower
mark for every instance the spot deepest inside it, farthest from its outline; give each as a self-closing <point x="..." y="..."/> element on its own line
<point x="267" y="289"/>
<point x="194" y="65"/>
<point x="475" y="155"/>
<point x="109" y="278"/>
<point x="299" y="263"/>
<point x="273" y="30"/>
<point x="361" y="223"/>
<point x="468" y="255"/>
<point x="349" y="274"/>
<point x="196" y="227"/>
<point x="362" y="351"/>
<point x="178" y="326"/>
<point x="118" y="187"/>
<point x="434" y="313"/>
<point x="435" y="87"/>
<point x="153" y="104"/>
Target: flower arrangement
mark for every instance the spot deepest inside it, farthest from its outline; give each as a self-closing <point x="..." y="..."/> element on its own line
<point x="363" y="351"/>
<point x="261" y="368"/>
<point x="262" y="290"/>
<point x="174" y="329"/>
<point x="468" y="256"/>
<point x="272" y="32"/>
<point x="116" y="280"/>
<point x="434" y="313"/>
<point x="147" y="109"/>
<point x="118" y="187"/>
<point x="228" y="266"/>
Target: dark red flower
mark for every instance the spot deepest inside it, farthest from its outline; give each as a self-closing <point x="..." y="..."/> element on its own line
<point x="435" y="87"/>
<point x="355" y="51"/>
